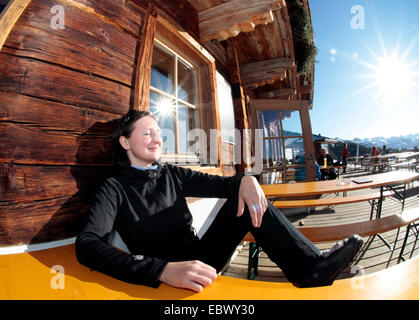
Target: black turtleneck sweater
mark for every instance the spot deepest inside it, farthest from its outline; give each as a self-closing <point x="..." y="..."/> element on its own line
<point x="148" y="210"/>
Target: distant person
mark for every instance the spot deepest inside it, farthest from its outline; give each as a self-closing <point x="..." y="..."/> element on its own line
<point x="384" y="165"/>
<point x="327" y="173"/>
<point x="300" y="172"/>
<point x="374" y="160"/>
<point x="344" y="156"/>
<point x="374" y="152"/>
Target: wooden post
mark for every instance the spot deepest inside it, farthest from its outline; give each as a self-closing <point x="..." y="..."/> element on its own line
<point x="140" y="98"/>
<point x="9" y="17"/>
<point x="239" y="102"/>
<point x="308" y="145"/>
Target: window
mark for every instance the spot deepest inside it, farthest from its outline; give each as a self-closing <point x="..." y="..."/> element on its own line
<point x="282" y="139"/>
<point x="225" y="102"/>
<point x="173" y="99"/>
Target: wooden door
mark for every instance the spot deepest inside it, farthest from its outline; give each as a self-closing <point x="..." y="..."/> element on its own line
<point x="286" y="142"/>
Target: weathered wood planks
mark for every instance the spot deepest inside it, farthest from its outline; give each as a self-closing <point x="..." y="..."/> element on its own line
<point x="48" y="81"/>
<point x="87" y="44"/>
<point x="49" y="114"/>
<point x="41" y="221"/>
<point x="60" y="91"/>
<point x="33" y="145"/>
<point x="27" y="183"/>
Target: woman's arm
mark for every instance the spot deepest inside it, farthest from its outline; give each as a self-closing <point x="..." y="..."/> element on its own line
<point x="204" y="185"/>
<point x="246" y="188"/>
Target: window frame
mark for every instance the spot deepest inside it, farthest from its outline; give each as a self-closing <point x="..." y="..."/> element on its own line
<point x="190" y="51"/>
<point x="175" y="97"/>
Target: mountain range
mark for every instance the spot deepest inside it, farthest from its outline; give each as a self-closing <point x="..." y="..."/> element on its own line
<point x="409" y="141"/>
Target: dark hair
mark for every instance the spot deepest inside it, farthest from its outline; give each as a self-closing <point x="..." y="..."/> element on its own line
<point x="125" y="127"/>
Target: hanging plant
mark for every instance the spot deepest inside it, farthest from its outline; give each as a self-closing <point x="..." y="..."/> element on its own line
<point x="302" y="33"/>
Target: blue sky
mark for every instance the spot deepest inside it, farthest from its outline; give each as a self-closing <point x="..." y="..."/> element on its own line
<point x="367" y="70"/>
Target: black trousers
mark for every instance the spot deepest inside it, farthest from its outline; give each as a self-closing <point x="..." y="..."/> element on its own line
<point x="279" y="239"/>
<point x="328" y="174"/>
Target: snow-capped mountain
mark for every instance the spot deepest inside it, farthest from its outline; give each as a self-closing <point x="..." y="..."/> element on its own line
<point x="403" y="142"/>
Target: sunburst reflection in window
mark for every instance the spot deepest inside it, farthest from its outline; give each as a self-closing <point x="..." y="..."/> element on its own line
<point x="163" y="107"/>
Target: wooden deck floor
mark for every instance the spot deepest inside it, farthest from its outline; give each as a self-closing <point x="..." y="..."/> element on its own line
<point x="374" y="256"/>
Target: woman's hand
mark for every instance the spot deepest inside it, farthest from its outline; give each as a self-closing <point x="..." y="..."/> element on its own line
<point x="194" y="275"/>
<point x="251" y="193"/>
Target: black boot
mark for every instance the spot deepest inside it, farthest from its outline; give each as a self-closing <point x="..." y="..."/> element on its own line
<point x="332" y="263"/>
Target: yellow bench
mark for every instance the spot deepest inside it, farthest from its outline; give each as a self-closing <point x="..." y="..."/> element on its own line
<point x="32" y="275"/>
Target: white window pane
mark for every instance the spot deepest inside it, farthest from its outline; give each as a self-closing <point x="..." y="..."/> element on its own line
<point x="186" y="83"/>
<point x="272" y="152"/>
<point x="269" y="122"/>
<point x="186" y="122"/>
<point x="162" y="70"/>
<point x="293" y="147"/>
<point x="225" y="102"/>
<point x="163" y="108"/>
<point x="291" y="123"/>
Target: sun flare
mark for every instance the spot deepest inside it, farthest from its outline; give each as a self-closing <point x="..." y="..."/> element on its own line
<point x="393" y="77"/>
<point x="164" y="107"/>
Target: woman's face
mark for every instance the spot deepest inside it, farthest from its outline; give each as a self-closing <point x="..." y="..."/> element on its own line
<point x="144" y="145"/>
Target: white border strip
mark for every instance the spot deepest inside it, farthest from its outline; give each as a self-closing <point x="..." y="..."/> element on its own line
<point x="36" y="247"/>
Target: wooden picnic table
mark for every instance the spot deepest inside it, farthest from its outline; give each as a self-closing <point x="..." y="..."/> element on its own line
<point x="394" y="181"/>
<point x="302" y="189"/>
<point x="409" y="155"/>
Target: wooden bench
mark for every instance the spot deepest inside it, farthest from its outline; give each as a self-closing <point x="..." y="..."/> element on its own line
<point x="406" y="165"/>
<point x="339" y="232"/>
<point x="289" y="175"/>
<point x="33" y="275"/>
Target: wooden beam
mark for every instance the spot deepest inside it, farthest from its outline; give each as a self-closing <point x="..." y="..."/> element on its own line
<point x="274" y="104"/>
<point x="282" y="19"/>
<point x="218" y="52"/>
<point x="260" y="73"/>
<point x="141" y="94"/>
<point x="9" y="17"/>
<point x="289" y="43"/>
<point x="260" y="78"/>
<point x="269" y="65"/>
<point x="276" y="93"/>
<point x="229" y="19"/>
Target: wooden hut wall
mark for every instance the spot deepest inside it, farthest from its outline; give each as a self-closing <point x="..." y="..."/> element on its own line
<point x="60" y="91"/>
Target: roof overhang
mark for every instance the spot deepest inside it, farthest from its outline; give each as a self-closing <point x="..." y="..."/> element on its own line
<point x="260" y="33"/>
